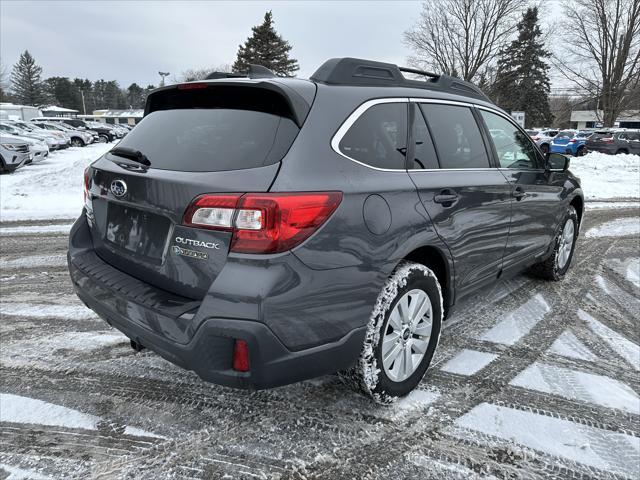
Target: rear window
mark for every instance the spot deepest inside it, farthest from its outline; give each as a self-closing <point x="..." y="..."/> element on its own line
<point x="211" y="139"/>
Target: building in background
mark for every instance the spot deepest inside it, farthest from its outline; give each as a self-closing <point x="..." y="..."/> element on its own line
<point x="130" y="117"/>
<point x="53" y="111"/>
<point x="9" y="111"/>
<point x="592" y="119"/>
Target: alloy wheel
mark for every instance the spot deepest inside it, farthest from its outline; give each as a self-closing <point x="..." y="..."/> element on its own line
<point x="406" y="336"/>
<point x="566" y="244"/>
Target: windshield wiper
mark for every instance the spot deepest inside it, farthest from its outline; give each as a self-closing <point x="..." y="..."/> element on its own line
<point x="132" y="154"/>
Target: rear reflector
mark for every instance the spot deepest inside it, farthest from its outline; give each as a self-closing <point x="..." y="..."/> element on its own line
<point x="263" y="222"/>
<point x="240" y="356"/>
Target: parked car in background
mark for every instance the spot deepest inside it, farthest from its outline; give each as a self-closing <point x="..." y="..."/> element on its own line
<point x="75" y="138"/>
<point x="14" y="153"/>
<point x="104" y="134"/>
<point x="38" y="149"/>
<point x="614" y="142"/>
<point x="55" y="130"/>
<point x="53" y="139"/>
<point x="8" y="127"/>
<point x="569" y="143"/>
<point x="543" y="138"/>
<point x="79" y="138"/>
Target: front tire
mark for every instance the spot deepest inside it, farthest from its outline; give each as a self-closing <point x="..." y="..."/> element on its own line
<point x="581" y="151"/>
<point x="555" y="267"/>
<point x="402" y="335"/>
<point x="77" y="142"/>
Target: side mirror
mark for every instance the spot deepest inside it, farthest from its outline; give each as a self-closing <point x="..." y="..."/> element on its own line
<point x="556" y="162"/>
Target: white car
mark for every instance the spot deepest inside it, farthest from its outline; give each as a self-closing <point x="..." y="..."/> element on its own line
<point x="38" y="150"/>
<point x="12" y="128"/>
<point x="59" y="140"/>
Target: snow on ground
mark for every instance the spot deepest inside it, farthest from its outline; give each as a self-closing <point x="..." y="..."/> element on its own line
<point x="31" y="229"/>
<point x="629" y="269"/>
<point x="608" y="176"/>
<point x="468" y="362"/>
<point x="19" y="409"/>
<point x="46" y="311"/>
<point x="582" y="386"/>
<point x="625" y="348"/>
<point x="34" y="261"/>
<point x="568" y="345"/>
<point x="620" y="227"/>
<point x="615" y="452"/>
<point x="516" y="324"/>
<point x="49" y="189"/>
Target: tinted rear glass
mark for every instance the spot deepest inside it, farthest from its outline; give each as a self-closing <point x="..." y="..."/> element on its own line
<point x="211" y="139"/>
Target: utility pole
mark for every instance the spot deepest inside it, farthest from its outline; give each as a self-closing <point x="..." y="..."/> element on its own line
<point x="84" y="108"/>
<point x="162" y="75"/>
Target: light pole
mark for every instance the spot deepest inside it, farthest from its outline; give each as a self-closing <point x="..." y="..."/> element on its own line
<point x="162" y="75"/>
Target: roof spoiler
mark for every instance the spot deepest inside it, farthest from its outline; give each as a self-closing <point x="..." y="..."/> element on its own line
<point x="357" y="71"/>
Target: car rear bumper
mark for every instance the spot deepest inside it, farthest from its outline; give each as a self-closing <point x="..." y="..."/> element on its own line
<point x="155" y="319"/>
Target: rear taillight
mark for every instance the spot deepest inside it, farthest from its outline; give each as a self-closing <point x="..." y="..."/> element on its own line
<point x="535" y="138"/>
<point x="241" y="356"/>
<point x="263" y="222"/>
<point x="607" y="140"/>
<point x="86" y="184"/>
<point x="573" y="140"/>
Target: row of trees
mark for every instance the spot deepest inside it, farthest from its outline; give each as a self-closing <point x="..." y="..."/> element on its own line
<point x="28" y="88"/>
<point x="599" y="52"/>
<point x="497" y="44"/>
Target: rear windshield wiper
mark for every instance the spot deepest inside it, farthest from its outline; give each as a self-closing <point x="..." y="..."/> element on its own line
<point x="132" y="154"/>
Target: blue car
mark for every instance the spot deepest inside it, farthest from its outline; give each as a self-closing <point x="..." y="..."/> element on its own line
<point x="570" y="142"/>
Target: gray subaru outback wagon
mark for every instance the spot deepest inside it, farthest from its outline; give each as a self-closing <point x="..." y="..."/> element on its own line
<point x="262" y="230"/>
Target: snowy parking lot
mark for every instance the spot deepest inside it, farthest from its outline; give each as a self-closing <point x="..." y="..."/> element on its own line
<point x="531" y="379"/>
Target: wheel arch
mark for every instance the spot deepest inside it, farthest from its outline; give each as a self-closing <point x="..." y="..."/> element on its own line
<point x="435" y="259"/>
<point x="577" y="202"/>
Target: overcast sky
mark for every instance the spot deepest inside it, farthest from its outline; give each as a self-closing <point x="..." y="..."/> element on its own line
<point x="131" y="41"/>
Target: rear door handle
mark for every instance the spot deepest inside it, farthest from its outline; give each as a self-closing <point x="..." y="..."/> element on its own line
<point x="519" y="193"/>
<point x="446" y="197"/>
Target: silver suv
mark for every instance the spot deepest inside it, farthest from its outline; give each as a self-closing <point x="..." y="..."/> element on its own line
<point x="14" y="153"/>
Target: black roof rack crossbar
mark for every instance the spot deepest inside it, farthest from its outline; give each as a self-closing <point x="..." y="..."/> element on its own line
<point x="356" y="71"/>
<point x="418" y="72"/>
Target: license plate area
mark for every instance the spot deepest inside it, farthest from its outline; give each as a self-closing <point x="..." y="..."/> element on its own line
<point x="137" y="232"/>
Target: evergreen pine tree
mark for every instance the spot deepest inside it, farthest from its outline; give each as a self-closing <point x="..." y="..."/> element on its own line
<point x="265" y="47"/>
<point x="522" y="78"/>
<point x="25" y="80"/>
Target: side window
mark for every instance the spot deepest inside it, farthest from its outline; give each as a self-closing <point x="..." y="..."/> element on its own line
<point x="514" y="147"/>
<point x="424" y="153"/>
<point x="456" y="136"/>
<point x="378" y="137"/>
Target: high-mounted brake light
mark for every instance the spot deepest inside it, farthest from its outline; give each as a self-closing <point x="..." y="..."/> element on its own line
<point x="263" y="222"/>
<point x="191" y="86"/>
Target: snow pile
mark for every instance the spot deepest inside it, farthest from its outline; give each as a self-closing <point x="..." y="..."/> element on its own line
<point x="608" y="176"/>
<point x="49" y="189"/>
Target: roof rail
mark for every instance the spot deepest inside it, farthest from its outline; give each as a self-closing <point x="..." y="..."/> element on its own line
<point x="254" y="71"/>
<point x="357" y="71"/>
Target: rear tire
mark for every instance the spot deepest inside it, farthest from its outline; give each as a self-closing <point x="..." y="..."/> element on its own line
<point x="621" y="150"/>
<point x="545" y="148"/>
<point x="402" y="335"/>
<point x="580" y="152"/>
<point x="556" y="265"/>
<point x="103" y="139"/>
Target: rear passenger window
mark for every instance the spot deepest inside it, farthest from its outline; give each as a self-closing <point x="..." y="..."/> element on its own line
<point x="456" y="136"/>
<point x="424" y="154"/>
<point x="378" y="137"/>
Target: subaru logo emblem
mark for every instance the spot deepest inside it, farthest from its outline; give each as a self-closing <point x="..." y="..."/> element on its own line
<point x="118" y="188"/>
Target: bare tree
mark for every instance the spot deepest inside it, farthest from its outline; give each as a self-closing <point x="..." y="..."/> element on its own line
<point x="200" y="73"/>
<point x="462" y="37"/>
<point x="602" y="54"/>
